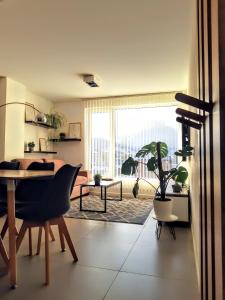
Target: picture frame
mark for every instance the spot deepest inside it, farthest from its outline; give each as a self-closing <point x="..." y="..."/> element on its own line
<point x="29" y="112"/>
<point x="43" y="144"/>
<point x="74" y="130"/>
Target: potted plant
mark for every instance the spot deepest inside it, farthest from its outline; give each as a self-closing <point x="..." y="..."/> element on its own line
<point x="97" y="179"/>
<point x="158" y="151"/>
<point x="62" y="136"/>
<point x="31" y="146"/>
<point x="56" y="120"/>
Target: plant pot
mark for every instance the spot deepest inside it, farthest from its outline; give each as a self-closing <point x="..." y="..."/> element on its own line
<point x="176" y="188"/>
<point x="62" y="136"/>
<point x="163" y="209"/>
<point x="31" y="149"/>
<point x="97" y="182"/>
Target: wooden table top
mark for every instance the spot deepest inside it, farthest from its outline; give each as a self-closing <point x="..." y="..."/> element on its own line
<point x="23" y="174"/>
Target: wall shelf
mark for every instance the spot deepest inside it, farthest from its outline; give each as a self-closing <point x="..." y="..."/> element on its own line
<point x="42" y="152"/>
<point x="39" y="124"/>
<point x="64" y="140"/>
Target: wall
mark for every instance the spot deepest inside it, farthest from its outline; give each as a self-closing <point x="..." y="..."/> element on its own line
<point x="13" y="131"/>
<point x="194" y="161"/>
<point x="33" y="133"/>
<point x="72" y="152"/>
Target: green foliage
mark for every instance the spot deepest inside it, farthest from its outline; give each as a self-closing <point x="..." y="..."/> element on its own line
<point x="157" y="151"/>
<point x="55" y="119"/>
<point x="129" y="166"/>
<point x="31" y="144"/>
<point x="97" y="177"/>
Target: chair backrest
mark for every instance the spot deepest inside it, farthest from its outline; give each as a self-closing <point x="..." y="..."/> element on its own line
<point x="9" y="165"/>
<point x="57" y="199"/>
<point x="41" y="166"/>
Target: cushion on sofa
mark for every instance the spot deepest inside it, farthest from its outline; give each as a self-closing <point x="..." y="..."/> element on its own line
<point x="58" y="163"/>
<point x="25" y="162"/>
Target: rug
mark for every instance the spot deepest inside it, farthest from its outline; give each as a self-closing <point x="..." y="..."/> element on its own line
<point x="129" y="210"/>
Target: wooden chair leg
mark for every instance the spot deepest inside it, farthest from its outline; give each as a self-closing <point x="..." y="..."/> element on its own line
<point x="67" y="237"/>
<point x="21" y="234"/>
<point x="39" y="240"/>
<point x="47" y="274"/>
<point x="4" y="253"/>
<point x="61" y="238"/>
<point x="30" y="241"/>
<point x="51" y="234"/>
<point x="4" y="228"/>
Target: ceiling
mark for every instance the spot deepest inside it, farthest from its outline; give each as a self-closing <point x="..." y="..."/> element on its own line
<point x="134" y="46"/>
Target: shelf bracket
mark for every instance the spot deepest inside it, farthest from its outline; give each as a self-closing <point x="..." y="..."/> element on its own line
<point x="205" y="106"/>
<point x="189" y="123"/>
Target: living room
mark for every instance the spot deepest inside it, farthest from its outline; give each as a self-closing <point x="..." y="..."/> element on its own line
<point x="105" y="88"/>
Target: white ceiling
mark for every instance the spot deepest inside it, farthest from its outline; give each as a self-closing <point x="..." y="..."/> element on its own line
<point x="134" y="46"/>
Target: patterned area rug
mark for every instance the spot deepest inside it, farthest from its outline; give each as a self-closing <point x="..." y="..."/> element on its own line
<point x="129" y="210"/>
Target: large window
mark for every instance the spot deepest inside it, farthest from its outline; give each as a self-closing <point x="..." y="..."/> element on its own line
<point x="120" y="133"/>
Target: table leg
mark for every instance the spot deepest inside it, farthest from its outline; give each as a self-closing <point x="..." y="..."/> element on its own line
<point x="172" y="231"/>
<point x="105" y="196"/>
<point x="80" y="197"/>
<point x="121" y="191"/>
<point x="12" y="232"/>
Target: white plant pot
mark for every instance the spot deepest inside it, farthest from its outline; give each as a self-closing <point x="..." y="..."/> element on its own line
<point x="163" y="209"/>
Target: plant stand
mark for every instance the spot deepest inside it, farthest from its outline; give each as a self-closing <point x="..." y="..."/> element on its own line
<point x="169" y="222"/>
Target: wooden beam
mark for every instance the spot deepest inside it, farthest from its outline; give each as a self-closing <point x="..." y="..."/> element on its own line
<point x="189" y="123"/>
<point x="194" y="102"/>
<point x="190" y="115"/>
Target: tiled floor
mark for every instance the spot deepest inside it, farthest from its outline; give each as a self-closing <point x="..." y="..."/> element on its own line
<point x="116" y="262"/>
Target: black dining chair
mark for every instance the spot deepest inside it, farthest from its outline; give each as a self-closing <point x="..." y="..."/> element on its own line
<point x="5" y="165"/>
<point x="48" y="207"/>
<point x="26" y="186"/>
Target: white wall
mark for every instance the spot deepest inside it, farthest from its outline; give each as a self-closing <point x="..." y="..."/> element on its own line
<point x="14" y="133"/>
<point x="72" y="152"/>
<point x="33" y="133"/>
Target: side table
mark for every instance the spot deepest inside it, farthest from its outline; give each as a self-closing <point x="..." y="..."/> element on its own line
<point x="168" y="221"/>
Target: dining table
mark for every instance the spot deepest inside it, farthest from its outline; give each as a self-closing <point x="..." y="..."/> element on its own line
<point x="11" y="177"/>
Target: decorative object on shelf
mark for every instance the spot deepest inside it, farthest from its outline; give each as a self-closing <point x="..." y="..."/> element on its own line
<point x="31" y="146"/>
<point x="56" y="120"/>
<point x="97" y="179"/>
<point x="43" y="144"/>
<point x="29" y="112"/>
<point x="62" y="136"/>
<point x="41" y="118"/>
<point x="75" y="130"/>
<point x="158" y="151"/>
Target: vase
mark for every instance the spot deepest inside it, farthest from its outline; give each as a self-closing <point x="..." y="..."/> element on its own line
<point x="163" y="209"/>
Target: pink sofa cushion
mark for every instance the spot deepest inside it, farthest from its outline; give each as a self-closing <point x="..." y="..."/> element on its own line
<point x="25" y="162"/>
<point x="57" y="162"/>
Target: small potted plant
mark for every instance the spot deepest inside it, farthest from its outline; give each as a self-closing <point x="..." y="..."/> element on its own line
<point x="97" y="179"/>
<point x="62" y="136"/>
<point x="31" y="146"/>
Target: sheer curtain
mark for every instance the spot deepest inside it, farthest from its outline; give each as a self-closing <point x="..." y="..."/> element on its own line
<point x="117" y="127"/>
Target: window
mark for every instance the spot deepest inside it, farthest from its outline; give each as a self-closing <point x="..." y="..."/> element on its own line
<point x="121" y="132"/>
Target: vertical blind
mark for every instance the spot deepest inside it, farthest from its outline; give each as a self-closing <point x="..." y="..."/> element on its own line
<point x="118" y="127"/>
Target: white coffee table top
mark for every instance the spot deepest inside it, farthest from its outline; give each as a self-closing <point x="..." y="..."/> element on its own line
<point x="171" y="218"/>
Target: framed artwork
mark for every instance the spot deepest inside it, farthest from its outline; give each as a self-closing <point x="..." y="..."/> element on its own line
<point x="43" y="144"/>
<point x="29" y="112"/>
<point x="74" y="130"/>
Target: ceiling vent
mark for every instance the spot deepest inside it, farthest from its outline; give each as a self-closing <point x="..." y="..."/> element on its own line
<point x="92" y="80"/>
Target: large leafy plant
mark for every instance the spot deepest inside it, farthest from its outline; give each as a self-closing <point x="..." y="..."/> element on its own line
<point x="157" y="151"/>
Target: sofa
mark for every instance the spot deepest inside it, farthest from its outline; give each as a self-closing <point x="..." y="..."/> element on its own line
<point x="83" y="176"/>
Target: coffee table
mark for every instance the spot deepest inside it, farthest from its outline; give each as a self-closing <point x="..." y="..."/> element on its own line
<point x="104" y="186"/>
